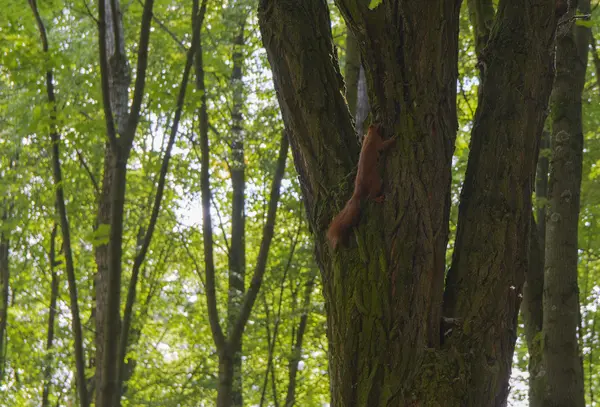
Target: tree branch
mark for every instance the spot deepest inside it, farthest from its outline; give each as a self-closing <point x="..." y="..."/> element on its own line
<point x="265" y="245"/>
<point x="207" y="233"/>
<point x="271" y="343"/>
<point x="51" y="317"/>
<point x="167" y="30"/>
<point x="104" y="72"/>
<point x="139" y="259"/>
<point x="88" y="171"/>
<point x="221" y="225"/>
<point x="142" y="64"/>
<point x="89" y="12"/>
<point x="64" y="223"/>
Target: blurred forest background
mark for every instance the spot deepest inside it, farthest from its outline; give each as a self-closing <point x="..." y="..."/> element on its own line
<point x="208" y="95"/>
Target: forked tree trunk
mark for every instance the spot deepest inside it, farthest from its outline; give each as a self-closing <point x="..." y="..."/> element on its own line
<point x="384" y="290"/>
<point x="121" y="121"/>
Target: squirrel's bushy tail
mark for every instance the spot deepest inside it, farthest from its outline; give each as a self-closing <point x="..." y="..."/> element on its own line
<point x="341" y="224"/>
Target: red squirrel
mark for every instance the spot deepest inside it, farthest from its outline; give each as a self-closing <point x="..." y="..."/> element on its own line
<point x="367" y="185"/>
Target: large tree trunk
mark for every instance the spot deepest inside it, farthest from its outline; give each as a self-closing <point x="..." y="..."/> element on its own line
<point x="562" y="363"/>
<point x="384" y="292"/>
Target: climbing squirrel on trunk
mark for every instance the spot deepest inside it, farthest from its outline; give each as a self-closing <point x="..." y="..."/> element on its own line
<point x="367" y="185"/>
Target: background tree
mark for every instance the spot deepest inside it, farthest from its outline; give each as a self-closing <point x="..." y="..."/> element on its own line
<point x="561" y="314"/>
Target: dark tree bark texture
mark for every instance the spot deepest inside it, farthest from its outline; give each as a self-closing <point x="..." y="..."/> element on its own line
<point x="384" y="291"/>
<point x="561" y="357"/>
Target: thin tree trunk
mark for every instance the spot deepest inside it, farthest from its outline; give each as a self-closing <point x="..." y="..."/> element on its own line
<point x="140" y="257"/>
<point x="591" y="362"/>
<point x="533" y="288"/>
<point x="64" y="222"/>
<point x="270" y="349"/>
<point x="4" y="291"/>
<point x="271" y="339"/>
<point x="227" y="365"/>
<point x="228" y="346"/>
<point x="561" y="354"/>
<point x="290" y="397"/>
<point x="48" y="360"/>
<point x="237" y="250"/>
<point x="595" y="58"/>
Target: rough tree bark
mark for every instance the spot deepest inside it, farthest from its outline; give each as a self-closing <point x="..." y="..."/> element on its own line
<point x="384" y="292"/>
<point x="481" y="15"/>
<point x="561" y="355"/>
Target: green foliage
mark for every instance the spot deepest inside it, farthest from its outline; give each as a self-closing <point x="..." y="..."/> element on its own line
<point x="374" y="3"/>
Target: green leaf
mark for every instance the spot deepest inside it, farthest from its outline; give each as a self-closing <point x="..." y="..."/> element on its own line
<point x="584" y="22"/>
<point x="101" y="235"/>
<point x="374" y="3"/>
